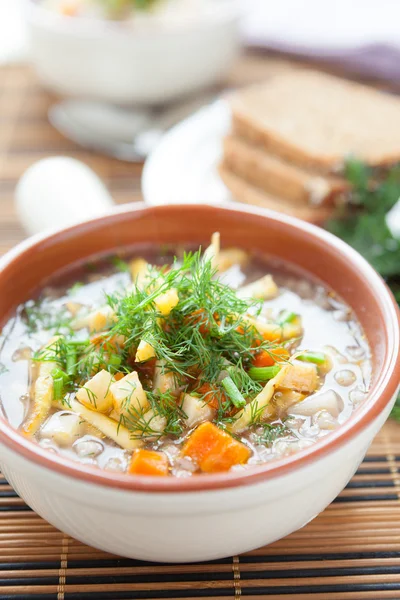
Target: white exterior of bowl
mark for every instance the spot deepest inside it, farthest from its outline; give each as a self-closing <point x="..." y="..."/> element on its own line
<point x="113" y="63"/>
<point x="187" y="526"/>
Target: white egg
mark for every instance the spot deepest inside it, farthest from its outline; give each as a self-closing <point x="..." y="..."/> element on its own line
<point x="59" y="191"/>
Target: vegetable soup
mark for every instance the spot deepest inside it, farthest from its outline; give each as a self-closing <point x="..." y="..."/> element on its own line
<point x="177" y="363"/>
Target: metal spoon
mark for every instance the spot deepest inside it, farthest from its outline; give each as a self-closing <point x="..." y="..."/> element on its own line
<point x="119" y="132"/>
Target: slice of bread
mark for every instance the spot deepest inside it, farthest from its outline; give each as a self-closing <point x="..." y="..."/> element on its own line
<point x="242" y="191"/>
<point x="275" y="176"/>
<point x="316" y="121"/>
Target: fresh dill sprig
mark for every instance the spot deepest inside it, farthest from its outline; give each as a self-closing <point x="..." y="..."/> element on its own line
<point x="271" y="432"/>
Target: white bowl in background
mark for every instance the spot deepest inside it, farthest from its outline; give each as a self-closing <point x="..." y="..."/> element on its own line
<point x="114" y="62"/>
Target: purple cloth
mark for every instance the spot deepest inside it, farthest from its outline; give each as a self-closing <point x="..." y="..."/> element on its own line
<point x="375" y="60"/>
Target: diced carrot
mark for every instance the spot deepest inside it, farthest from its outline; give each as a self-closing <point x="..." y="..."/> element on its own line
<point x="214" y="450"/>
<point x="198" y="317"/>
<point x="118" y="376"/>
<point x="274" y="335"/>
<point x="212" y="396"/>
<point x="265" y="358"/>
<point x="148" y="462"/>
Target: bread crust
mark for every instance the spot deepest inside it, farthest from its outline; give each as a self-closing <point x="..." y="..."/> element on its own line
<point x="275" y="176"/>
<point x="244" y="192"/>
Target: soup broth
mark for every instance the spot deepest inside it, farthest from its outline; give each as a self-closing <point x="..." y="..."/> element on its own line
<point x="214" y="362"/>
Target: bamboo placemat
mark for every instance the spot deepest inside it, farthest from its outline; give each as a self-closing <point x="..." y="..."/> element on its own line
<point x="351" y="551"/>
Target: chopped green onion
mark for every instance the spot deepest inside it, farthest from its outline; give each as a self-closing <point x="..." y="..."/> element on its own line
<point x="59" y="374"/>
<point x="60" y="378"/>
<point x="233" y="392"/>
<point x="318" y="358"/>
<point x="286" y="316"/>
<point x="71" y="360"/>
<point x="58" y="388"/>
<point x="264" y="373"/>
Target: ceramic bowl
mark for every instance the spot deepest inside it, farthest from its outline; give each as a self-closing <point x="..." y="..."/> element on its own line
<point x="207" y="516"/>
<point x="113" y="62"/>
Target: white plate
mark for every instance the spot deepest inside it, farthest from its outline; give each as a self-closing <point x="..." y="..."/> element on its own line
<point x="183" y="167"/>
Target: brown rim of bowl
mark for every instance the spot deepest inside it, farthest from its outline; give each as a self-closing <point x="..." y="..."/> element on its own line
<point x="382" y="391"/>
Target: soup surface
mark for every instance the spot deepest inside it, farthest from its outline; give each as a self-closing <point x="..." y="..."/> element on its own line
<point x="178" y="366"/>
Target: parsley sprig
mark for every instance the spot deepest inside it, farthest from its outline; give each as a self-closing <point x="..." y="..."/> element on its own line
<point x="363" y="224"/>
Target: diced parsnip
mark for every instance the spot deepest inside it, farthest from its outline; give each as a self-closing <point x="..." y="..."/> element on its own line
<point x="262" y="289"/>
<point x="196" y="410"/>
<point x="328" y="401"/>
<point x="42" y="394"/>
<point x="144" y="352"/>
<point x="110" y="428"/>
<point x="291" y="330"/>
<point x="62" y="427"/>
<point x="271" y="332"/>
<point x="211" y="253"/>
<point x="153" y="425"/>
<point x="260" y="402"/>
<point x="139" y="270"/>
<point x="148" y="462"/>
<point x="95" y="321"/>
<point x="96" y="393"/>
<point x="167" y="301"/>
<point x="214" y="450"/>
<point x="164" y="380"/>
<point x="301" y="377"/>
<point x="42" y="398"/>
<point x="129" y="396"/>
<point x="231" y="256"/>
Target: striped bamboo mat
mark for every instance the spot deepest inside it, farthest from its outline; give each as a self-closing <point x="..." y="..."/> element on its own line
<point x="351" y="551"/>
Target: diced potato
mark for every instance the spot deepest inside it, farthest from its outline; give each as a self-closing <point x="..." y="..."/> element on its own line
<point x="262" y="289"/>
<point x="96" y="393"/>
<point x="164" y="380"/>
<point x="149" y="462"/>
<point x="167" y="301"/>
<point x="110" y="428"/>
<point x="96" y="321"/>
<point x="196" y="410"/>
<point x="260" y="402"/>
<point x="301" y="377"/>
<point x="144" y="352"/>
<point x="271" y="332"/>
<point x="214" y="450"/>
<point x="129" y="396"/>
<point x="211" y="253"/>
<point x="139" y="270"/>
<point x="73" y="307"/>
<point x="62" y="427"/>
<point x="328" y="401"/>
<point x="152" y="425"/>
<point x="230" y="256"/>
<point x="291" y="330"/>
